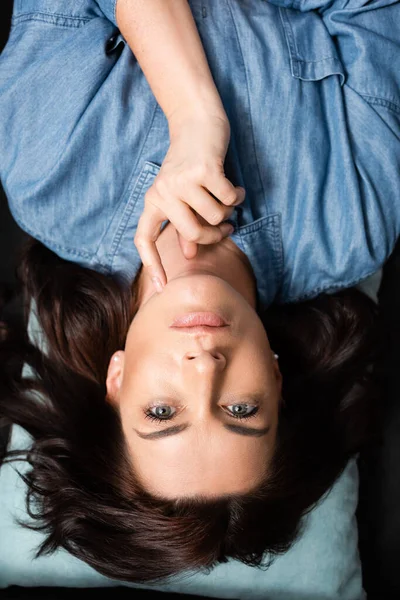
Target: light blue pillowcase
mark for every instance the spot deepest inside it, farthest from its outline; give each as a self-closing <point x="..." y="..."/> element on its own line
<point x="323" y="564"/>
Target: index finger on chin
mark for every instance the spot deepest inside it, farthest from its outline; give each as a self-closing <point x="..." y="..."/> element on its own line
<point x="147" y="233"/>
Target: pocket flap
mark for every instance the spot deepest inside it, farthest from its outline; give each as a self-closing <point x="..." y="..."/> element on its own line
<point x="313" y="54"/>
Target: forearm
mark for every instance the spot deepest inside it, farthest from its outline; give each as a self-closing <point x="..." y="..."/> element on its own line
<point x="164" y="38"/>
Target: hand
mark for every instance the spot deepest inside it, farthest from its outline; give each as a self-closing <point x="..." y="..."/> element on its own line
<point x="191" y="181"/>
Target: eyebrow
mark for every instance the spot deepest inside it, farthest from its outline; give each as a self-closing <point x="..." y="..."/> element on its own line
<point x="175" y="429"/>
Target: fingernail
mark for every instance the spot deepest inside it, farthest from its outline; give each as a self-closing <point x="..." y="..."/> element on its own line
<point x="157" y="284"/>
<point x="230" y="229"/>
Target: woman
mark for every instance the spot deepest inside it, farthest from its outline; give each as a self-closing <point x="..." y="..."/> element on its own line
<point x="138" y="462"/>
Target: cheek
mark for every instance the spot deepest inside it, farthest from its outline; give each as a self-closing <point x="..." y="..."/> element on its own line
<point x="256" y="350"/>
<point x="148" y="341"/>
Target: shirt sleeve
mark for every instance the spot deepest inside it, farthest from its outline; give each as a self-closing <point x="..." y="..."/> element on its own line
<point x="58" y="87"/>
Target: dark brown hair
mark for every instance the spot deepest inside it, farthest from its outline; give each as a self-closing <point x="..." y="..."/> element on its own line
<point x="81" y="488"/>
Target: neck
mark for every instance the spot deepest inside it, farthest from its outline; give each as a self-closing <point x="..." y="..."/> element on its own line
<point x="223" y="260"/>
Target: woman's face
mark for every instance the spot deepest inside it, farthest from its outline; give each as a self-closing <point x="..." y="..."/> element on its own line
<point x="180" y="392"/>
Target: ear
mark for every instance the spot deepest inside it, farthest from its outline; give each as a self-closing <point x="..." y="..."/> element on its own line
<point x="278" y="374"/>
<point x="114" y="376"/>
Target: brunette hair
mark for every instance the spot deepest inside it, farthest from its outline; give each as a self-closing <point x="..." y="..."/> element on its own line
<point x="82" y="491"/>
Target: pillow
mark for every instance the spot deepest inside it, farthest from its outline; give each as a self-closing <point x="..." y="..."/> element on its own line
<point x="323" y="564"/>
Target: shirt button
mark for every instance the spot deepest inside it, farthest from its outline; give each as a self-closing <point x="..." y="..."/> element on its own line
<point x="110" y="44"/>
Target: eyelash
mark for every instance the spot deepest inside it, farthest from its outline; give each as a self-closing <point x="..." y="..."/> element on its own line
<point x="153" y="418"/>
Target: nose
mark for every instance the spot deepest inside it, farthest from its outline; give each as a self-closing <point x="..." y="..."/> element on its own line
<point x="205" y="361"/>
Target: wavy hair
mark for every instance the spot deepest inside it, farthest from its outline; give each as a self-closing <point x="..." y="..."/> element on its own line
<point x="82" y="491"/>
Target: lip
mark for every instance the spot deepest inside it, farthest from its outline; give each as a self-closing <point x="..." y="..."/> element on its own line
<point x="200" y="329"/>
<point x="194" y="320"/>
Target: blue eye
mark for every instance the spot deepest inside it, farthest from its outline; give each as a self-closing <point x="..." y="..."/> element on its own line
<point x="163" y="413"/>
<point x="242" y="411"/>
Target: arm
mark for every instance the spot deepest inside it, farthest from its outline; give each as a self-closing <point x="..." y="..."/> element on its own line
<point x="164" y="38"/>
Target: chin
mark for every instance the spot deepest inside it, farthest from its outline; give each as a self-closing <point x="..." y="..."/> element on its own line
<point x="199" y="282"/>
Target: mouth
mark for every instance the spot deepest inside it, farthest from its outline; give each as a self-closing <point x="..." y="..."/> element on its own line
<point x="200" y="329"/>
<point x="194" y="320"/>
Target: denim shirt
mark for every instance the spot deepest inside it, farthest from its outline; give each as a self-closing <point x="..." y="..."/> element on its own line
<point x="312" y="92"/>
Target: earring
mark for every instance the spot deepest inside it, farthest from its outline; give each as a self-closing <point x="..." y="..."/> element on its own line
<point x="276" y="356"/>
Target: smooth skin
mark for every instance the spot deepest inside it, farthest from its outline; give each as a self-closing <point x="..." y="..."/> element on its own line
<point x="199" y="379"/>
<point x="194" y="381"/>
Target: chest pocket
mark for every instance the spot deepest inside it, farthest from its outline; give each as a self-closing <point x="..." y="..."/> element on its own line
<point x="312" y="51"/>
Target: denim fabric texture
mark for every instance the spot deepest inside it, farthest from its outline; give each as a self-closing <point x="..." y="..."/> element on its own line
<point x="312" y="92"/>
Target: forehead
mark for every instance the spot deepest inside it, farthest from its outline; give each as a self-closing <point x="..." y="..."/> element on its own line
<point x="219" y="463"/>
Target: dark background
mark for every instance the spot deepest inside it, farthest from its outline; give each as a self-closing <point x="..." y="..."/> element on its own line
<point x="379" y="506"/>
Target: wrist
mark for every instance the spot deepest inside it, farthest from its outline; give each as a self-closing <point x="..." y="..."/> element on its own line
<point x="195" y="111"/>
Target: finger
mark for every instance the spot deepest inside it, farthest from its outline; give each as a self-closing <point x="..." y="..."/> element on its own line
<point x="189" y="249"/>
<point x="192" y="227"/>
<point x="205" y="205"/>
<point x="147" y="233"/>
<point x="218" y="185"/>
<point x="188" y="225"/>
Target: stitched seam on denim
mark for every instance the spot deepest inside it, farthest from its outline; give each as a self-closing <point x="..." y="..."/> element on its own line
<point x="142" y="180"/>
<point x="375" y="100"/>
<point x="128" y="191"/>
<point x="289" y="40"/>
<point x="319" y="60"/>
<point x="54" y="19"/>
<point x="333" y="288"/>
<point x="381" y="102"/>
<point x="273" y="222"/>
<point x="276" y="258"/>
<point x="294" y="52"/>
<point x="279" y="244"/>
<point x="256" y="225"/>
<point x="278" y="262"/>
<point x="248" y="97"/>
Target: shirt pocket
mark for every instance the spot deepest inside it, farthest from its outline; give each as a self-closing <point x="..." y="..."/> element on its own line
<point x="121" y="249"/>
<point x="145" y="180"/>
<point x="261" y="241"/>
<point x="312" y="51"/>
